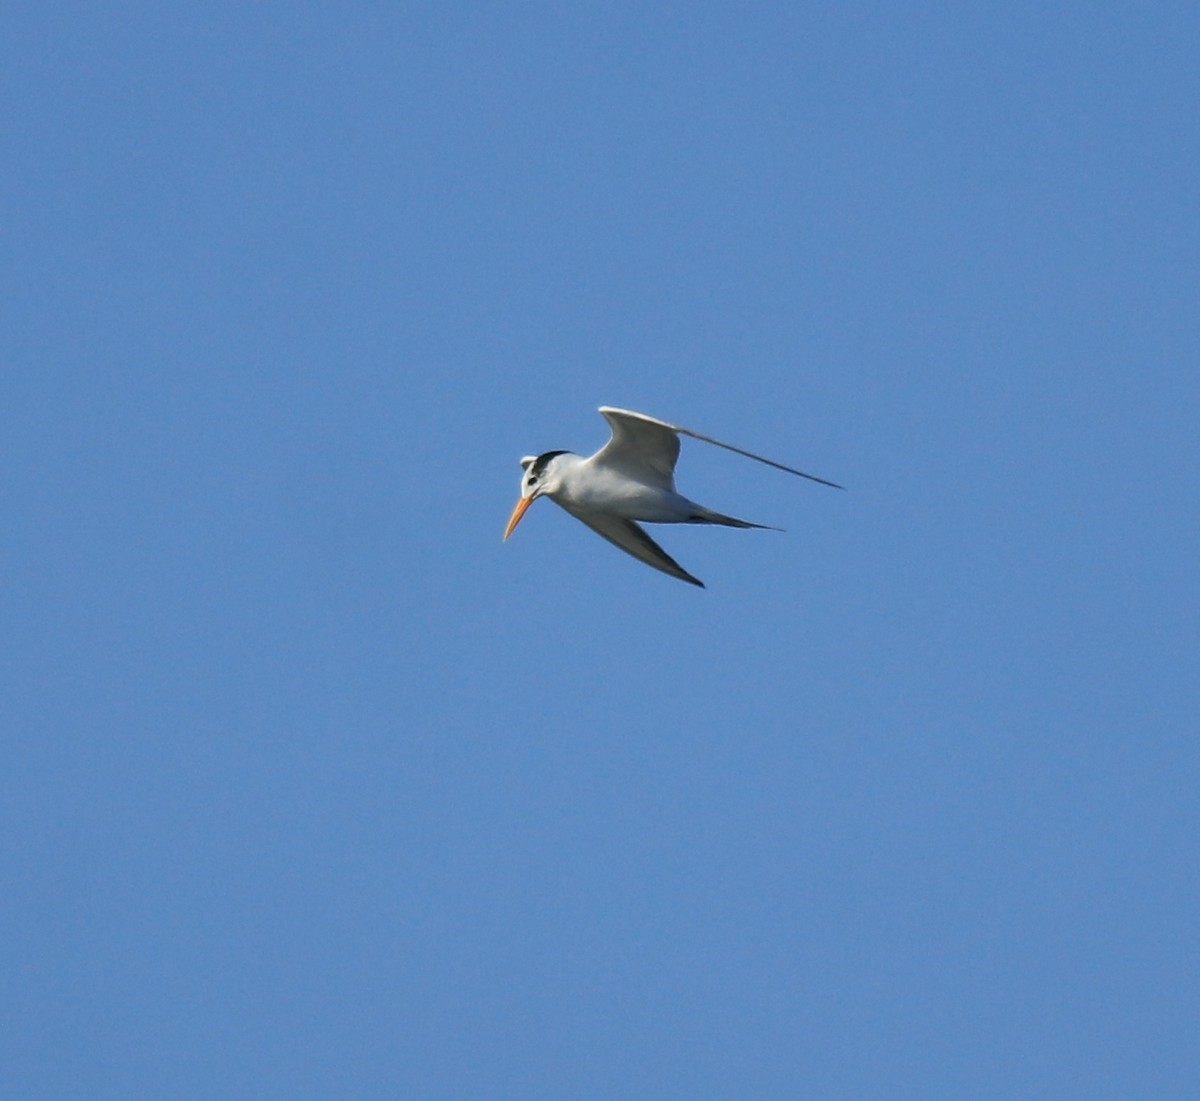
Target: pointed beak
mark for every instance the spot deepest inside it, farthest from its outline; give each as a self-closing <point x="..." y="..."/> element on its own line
<point x="517" y="513"/>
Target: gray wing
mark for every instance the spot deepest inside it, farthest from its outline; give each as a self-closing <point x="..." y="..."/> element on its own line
<point x="641" y="448"/>
<point x="639" y="438"/>
<point x="632" y="539"/>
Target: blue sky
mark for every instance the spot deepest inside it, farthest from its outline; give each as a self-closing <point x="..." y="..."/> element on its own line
<point x="311" y="788"/>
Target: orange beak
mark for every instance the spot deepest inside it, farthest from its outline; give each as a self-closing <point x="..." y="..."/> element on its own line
<point x="517" y="513"/>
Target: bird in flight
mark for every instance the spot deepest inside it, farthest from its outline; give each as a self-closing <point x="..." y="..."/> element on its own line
<point x="631" y="478"/>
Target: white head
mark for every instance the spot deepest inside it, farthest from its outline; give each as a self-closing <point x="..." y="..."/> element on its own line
<point x="538" y="476"/>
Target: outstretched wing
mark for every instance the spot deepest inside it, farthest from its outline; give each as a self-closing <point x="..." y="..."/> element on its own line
<point x="641" y="448"/>
<point x="632" y="539"/>
<point x="639" y="437"/>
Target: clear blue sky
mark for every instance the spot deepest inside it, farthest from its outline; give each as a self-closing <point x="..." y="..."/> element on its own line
<point x="313" y="789"/>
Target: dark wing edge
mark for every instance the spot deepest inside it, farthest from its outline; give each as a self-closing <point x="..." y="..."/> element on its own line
<point x="633" y="540"/>
<point x="606" y="409"/>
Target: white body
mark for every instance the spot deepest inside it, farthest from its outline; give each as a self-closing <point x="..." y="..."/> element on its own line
<point x="586" y="485"/>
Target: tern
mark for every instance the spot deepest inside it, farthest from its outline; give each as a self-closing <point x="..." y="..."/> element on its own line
<point x="631" y="478"/>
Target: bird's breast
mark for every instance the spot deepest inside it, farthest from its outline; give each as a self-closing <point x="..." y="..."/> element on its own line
<point x="611" y="493"/>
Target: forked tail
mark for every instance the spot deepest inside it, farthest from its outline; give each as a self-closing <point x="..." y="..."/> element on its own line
<point x="707" y="516"/>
